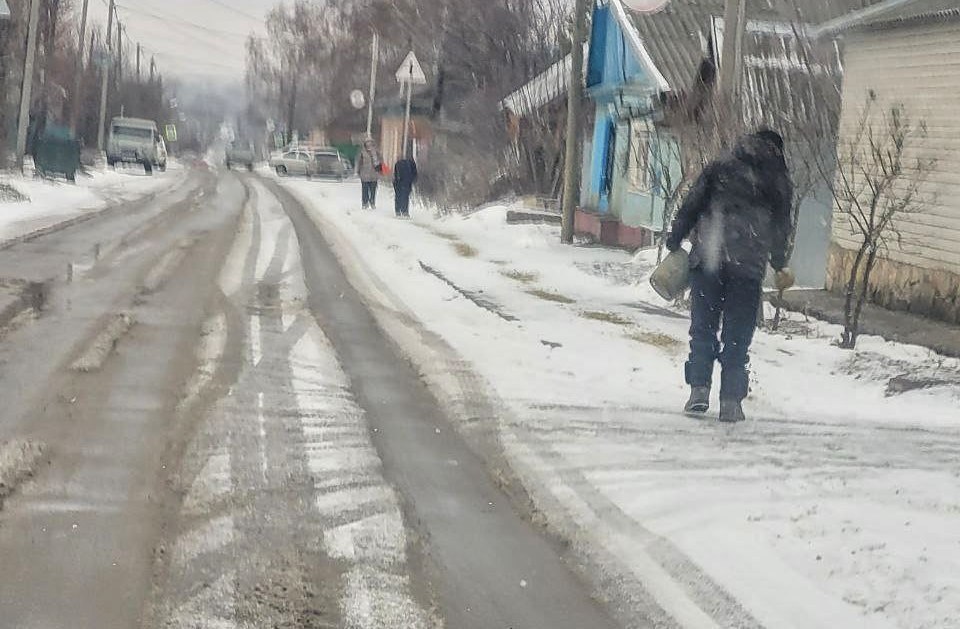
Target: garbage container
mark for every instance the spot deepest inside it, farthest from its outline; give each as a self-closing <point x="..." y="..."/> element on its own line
<point x="57" y="156"/>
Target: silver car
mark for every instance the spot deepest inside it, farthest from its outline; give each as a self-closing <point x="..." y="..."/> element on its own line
<point x="293" y="162"/>
<point x="330" y="164"/>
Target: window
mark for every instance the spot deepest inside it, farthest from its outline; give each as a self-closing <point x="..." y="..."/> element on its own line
<point x="638" y="157"/>
<point x="133" y="132"/>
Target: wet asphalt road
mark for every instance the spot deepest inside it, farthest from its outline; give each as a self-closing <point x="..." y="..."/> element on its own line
<point x="254" y="452"/>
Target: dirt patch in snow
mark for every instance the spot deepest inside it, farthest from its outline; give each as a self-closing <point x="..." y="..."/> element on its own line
<point x="608" y="317"/>
<point x="18" y="462"/>
<point x="548" y="296"/>
<point x="521" y="276"/>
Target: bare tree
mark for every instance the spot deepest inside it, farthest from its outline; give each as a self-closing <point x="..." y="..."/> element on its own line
<point x="878" y="182"/>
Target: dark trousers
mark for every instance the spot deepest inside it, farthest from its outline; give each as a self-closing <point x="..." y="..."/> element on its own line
<point x="369" y="193"/>
<point x="402" y="197"/>
<point x="726" y="304"/>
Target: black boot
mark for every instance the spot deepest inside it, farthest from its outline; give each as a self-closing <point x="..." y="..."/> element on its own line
<point x="731" y="411"/>
<point x="699" y="402"/>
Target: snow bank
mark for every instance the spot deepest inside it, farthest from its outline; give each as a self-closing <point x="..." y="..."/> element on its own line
<point x="52" y="201"/>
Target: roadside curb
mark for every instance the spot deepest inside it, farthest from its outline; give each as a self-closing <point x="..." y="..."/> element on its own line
<point x="892" y="326"/>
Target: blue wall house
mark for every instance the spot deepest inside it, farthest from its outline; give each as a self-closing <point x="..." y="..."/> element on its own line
<point x="644" y="68"/>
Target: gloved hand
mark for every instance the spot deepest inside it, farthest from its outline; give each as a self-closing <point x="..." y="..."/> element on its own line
<point x="785" y="279"/>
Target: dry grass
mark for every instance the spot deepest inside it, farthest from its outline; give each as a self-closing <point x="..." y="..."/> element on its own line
<point x="521" y="276"/>
<point x="656" y="339"/>
<point x="609" y="317"/>
<point x="465" y="250"/>
<point x="548" y="296"/>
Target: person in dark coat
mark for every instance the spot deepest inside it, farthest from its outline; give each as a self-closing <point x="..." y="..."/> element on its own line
<point x="737" y="215"/>
<point x="404" y="176"/>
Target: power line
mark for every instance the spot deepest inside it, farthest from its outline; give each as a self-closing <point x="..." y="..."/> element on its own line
<point x="181" y="21"/>
<point x="222" y="4"/>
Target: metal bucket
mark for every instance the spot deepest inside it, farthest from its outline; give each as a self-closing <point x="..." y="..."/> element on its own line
<point x="672" y="277"/>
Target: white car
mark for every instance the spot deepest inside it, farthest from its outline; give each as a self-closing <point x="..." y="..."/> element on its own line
<point x="292" y="162"/>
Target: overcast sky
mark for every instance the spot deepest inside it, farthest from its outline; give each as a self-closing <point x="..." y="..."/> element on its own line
<point x="191" y="38"/>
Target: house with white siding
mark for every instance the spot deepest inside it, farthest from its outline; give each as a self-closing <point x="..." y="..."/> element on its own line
<point x="906" y="53"/>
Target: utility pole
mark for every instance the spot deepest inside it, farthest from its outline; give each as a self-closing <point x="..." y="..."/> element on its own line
<point x="119" y="53"/>
<point x="375" y="57"/>
<point x="26" y="91"/>
<point x="406" y="118"/>
<point x="138" y="62"/>
<point x="571" y="167"/>
<point x="106" y="77"/>
<point x="153" y="67"/>
<point x="734" y="26"/>
<point x="78" y="79"/>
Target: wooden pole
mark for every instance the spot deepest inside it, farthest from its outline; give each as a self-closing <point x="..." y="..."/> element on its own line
<point x="105" y="78"/>
<point x="26" y="91"/>
<point x="571" y="166"/>
<point x="373" y="81"/>
<point x="78" y="79"/>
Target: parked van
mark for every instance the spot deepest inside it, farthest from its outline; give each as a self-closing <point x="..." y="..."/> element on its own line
<point x="136" y="141"/>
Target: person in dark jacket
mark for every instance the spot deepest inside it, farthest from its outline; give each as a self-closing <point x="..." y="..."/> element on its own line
<point x="737" y="215"/>
<point x="404" y="176"/>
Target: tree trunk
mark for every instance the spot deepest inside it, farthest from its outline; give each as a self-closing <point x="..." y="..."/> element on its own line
<point x="862" y="296"/>
<point x="848" y="338"/>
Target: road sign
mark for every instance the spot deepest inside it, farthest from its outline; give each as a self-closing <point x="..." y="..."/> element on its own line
<point x="411" y="71"/>
<point x="646" y="6"/>
<point x="171" y="132"/>
<point x="357" y="99"/>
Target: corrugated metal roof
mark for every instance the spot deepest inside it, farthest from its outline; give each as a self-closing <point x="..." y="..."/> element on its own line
<point x="916" y="11"/>
<point x="675" y="37"/>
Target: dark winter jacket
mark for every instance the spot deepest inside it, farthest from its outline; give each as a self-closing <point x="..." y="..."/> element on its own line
<point x="737" y="214"/>
<point x="404" y="174"/>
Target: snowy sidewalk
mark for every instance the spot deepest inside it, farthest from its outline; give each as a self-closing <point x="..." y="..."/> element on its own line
<point x="50" y="202"/>
<point x="837" y="506"/>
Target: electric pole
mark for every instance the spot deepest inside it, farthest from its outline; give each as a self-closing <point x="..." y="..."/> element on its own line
<point x="119" y="53"/>
<point x="373" y="81"/>
<point x="138" y="62"/>
<point x="734" y="26"/>
<point x="571" y="166"/>
<point x="78" y="80"/>
<point x="106" y="77"/>
<point x="26" y="92"/>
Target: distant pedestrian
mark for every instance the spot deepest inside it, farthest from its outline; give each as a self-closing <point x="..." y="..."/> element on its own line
<point x="369" y="167"/>
<point x="404" y="176"/>
<point x="737" y="215"/>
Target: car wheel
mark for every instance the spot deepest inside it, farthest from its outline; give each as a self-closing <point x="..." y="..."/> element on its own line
<point x="163" y="167"/>
<point x="250" y="167"/>
<point x="282" y="171"/>
<point x="148" y="168"/>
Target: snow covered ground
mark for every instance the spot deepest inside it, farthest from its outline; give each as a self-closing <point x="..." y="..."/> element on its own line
<point x="53" y="201"/>
<point x="833" y="506"/>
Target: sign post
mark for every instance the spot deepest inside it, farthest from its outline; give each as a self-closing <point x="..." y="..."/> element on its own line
<point x="375" y="57"/>
<point x="410" y="74"/>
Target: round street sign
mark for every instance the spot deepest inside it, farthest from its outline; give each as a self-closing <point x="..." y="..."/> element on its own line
<point x="357" y="99"/>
